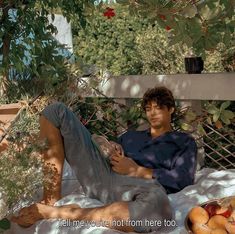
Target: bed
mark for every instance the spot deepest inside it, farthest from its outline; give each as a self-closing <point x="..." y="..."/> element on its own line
<point x="209" y="184"/>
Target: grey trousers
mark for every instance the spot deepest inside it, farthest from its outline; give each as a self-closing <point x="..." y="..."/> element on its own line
<point x="147" y="201"/>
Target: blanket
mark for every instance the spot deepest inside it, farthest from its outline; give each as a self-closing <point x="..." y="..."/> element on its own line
<point x="209" y="184"/>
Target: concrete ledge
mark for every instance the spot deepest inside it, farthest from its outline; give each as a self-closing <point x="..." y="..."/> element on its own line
<point x="211" y="86"/>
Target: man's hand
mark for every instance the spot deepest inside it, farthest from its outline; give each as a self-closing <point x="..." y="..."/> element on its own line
<point x="117" y="147"/>
<point x="127" y="166"/>
<point x="123" y="165"/>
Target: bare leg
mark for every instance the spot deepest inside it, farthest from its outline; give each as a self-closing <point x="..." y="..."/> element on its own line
<point x="54" y="160"/>
<point x="115" y="215"/>
<point x="54" y="157"/>
<point x="77" y="139"/>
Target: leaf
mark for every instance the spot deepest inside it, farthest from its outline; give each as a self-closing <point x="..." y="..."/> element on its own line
<point x="186" y="126"/>
<point x="216" y="116"/>
<point x="211" y="5"/>
<point x="209" y="120"/>
<point x="225" y="105"/>
<point x="225" y="119"/>
<point x="212" y="109"/>
<point x="124" y="2"/>
<point x="189" y="11"/>
<point x="201" y="130"/>
<point x="228" y="114"/>
<point x="175" y="39"/>
<point x="190" y="116"/>
<point x="205" y="12"/>
<point x="227" y="37"/>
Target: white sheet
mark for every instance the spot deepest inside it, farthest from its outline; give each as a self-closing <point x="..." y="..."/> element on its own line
<point x="209" y="184"/>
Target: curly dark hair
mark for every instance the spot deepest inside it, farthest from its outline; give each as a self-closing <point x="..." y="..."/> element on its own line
<point x="161" y="95"/>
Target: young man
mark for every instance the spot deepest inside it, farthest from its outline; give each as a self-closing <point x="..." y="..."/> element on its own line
<point x="132" y="183"/>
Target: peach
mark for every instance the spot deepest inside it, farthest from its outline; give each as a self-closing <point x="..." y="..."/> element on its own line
<point x="230" y="227"/>
<point x="198" y="215"/>
<point x="218" y="231"/>
<point x="217" y="221"/>
<point x="233" y="215"/>
<point x="211" y="208"/>
<point x="199" y="228"/>
<point x="225" y="211"/>
<point x="232" y="203"/>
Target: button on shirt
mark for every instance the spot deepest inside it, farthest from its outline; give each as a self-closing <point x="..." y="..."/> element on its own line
<point x="172" y="156"/>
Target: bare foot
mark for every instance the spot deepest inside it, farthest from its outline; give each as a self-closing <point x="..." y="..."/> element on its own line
<point x="27" y="216"/>
<point x="48" y="212"/>
<point x="30" y="215"/>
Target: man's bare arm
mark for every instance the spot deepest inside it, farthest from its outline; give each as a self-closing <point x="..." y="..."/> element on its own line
<point x="127" y="166"/>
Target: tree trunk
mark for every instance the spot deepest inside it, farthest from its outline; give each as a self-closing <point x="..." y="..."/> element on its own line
<point x="6" y="40"/>
<point x="5" y="53"/>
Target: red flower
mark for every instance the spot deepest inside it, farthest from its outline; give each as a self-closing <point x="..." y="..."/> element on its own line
<point x="163" y="17"/>
<point x="109" y="13"/>
<point x="168" y="28"/>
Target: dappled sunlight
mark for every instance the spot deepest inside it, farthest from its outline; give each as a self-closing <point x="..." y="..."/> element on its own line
<point x="183" y="86"/>
<point x="210" y="185"/>
<point x="153" y="175"/>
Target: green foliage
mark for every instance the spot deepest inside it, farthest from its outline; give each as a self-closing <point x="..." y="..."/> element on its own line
<point x="126" y="45"/>
<point x="220" y="112"/>
<point x="228" y="58"/>
<point x="133" y="115"/>
<point x="98" y="115"/>
<point x="26" y="37"/>
<point x="146" y="49"/>
<point x="201" y="25"/>
<point x="110" y="44"/>
<point x="17" y="161"/>
<point x="157" y="56"/>
<point x="23" y="157"/>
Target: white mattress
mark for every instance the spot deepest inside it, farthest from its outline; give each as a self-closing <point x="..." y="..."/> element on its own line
<point x="209" y="184"/>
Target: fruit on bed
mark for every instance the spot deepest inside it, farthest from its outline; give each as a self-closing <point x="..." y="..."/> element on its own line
<point x="232" y="216"/>
<point x="230" y="227"/>
<point x="215" y="209"/>
<point x="199" y="228"/>
<point x="225" y="211"/>
<point x="218" y="231"/>
<point x="232" y="203"/>
<point x="216" y="217"/>
<point x="211" y="208"/>
<point x="198" y="215"/>
<point x="217" y="221"/>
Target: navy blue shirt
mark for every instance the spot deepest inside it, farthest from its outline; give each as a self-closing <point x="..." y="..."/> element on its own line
<point x="172" y="156"/>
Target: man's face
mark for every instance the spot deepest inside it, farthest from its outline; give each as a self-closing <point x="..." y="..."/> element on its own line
<point x="158" y="116"/>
